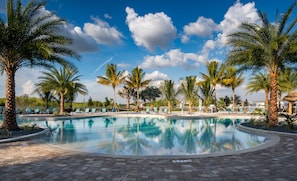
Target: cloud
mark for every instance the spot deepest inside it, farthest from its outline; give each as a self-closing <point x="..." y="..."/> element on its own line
<point x="107" y="16"/>
<point x="82" y="42"/>
<point x="102" y="32"/>
<point x="203" y="27"/>
<point x="28" y="87"/>
<point x="156" y="77"/>
<point x="152" y="30"/>
<point x="173" y="58"/>
<point x="235" y="15"/>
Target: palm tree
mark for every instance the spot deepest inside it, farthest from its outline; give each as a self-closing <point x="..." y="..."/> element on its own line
<point x="189" y="90"/>
<point x="207" y="93"/>
<point x="267" y="45"/>
<point x="169" y="93"/>
<point x="135" y="81"/>
<point x="233" y="79"/>
<point x="46" y="96"/>
<point x="113" y="78"/>
<point x="28" y="38"/>
<point x="287" y="81"/>
<point x="215" y="73"/>
<point x="259" y="82"/>
<point x="63" y="81"/>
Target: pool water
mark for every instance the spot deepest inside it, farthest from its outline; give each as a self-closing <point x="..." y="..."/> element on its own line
<point x="150" y="136"/>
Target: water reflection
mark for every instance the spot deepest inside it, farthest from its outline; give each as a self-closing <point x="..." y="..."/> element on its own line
<point x="151" y="136"/>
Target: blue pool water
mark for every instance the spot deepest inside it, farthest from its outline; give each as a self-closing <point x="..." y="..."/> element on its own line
<point x="150" y="136"/>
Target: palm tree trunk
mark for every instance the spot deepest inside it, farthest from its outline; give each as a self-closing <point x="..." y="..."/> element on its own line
<point x="266" y="101"/>
<point x="9" y="121"/>
<point x="215" y="100"/>
<point x="61" y="102"/>
<point x="137" y="99"/>
<point x="190" y="106"/>
<point x="115" y="99"/>
<point x="233" y="96"/>
<point x="169" y="106"/>
<point x="273" y="117"/>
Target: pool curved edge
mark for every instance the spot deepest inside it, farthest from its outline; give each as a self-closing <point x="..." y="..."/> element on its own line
<point x="37" y="135"/>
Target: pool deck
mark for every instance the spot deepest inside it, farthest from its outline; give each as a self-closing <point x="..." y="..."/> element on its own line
<point x="35" y="160"/>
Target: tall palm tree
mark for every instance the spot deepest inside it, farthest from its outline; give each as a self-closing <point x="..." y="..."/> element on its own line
<point x="259" y="82"/>
<point x="189" y="90"/>
<point x="63" y="81"/>
<point x="136" y="80"/>
<point x="269" y="45"/>
<point x="233" y="79"/>
<point x="214" y="76"/>
<point x="169" y="93"/>
<point x="113" y="78"/>
<point x="28" y="38"/>
<point x="207" y="93"/>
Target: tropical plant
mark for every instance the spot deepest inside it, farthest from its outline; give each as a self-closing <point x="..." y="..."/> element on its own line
<point x="28" y="38"/>
<point x="189" y="90"/>
<point x="269" y="45"/>
<point x="257" y="82"/>
<point x="62" y="82"/>
<point x="150" y="93"/>
<point x="167" y="89"/>
<point x="127" y="93"/>
<point x="214" y="76"/>
<point x="112" y="77"/>
<point x="206" y="93"/>
<point x="136" y="81"/>
<point x="46" y="96"/>
<point x="287" y="81"/>
<point x="233" y="79"/>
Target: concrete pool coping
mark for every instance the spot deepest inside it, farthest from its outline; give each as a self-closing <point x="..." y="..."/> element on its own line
<point x="272" y="136"/>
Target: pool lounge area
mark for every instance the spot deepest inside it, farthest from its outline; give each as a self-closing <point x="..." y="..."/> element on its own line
<point x="35" y="160"/>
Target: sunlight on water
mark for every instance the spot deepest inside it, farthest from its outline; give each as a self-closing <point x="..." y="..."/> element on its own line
<point x="150" y="136"/>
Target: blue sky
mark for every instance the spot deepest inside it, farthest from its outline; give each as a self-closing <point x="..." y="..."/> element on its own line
<point x="168" y="39"/>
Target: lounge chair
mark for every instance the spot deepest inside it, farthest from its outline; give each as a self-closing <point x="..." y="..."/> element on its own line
<point x="147" y="110"/>
<point x="37" y="111"/>
<point x="165" y="110"/>
<point x="28" y="110"/>
<point x="93" y="110"/>
<point x="77" y="110"/>
<point x="87" y="110"/>
<point x="103" y="110"/>
<point x="155" y="110"/>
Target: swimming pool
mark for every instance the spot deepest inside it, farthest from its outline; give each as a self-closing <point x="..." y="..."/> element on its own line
<point x="150" y="136"/>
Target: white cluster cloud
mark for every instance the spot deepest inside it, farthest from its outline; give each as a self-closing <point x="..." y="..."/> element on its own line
<point x="152" y="30"/>
<point x="202" y="27"/>
<point x="205" y="27"/>
<point x="82" y="42"/>
<point x="172" y="58"/>
<point x="28" y="87"/>
<point x="156" y="77"/>
<point x="102" y="32"/>
<point x="235" y="15"/>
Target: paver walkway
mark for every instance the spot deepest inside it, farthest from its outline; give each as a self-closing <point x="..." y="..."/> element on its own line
<point x="34" y="160"/>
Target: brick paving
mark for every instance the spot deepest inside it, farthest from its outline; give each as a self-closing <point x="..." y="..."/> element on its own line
<point x="34" y="160"/>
